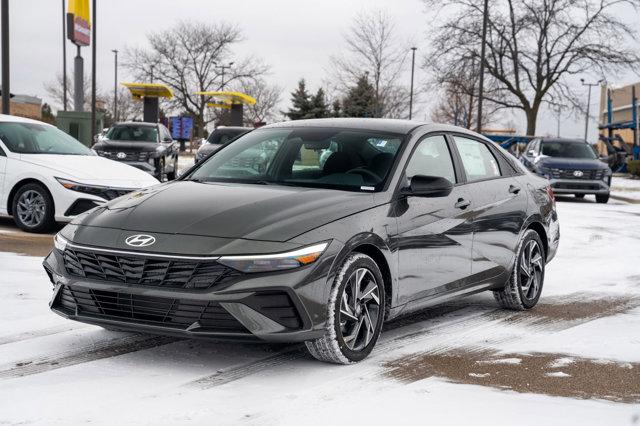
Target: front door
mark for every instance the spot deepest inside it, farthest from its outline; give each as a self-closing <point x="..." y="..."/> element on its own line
<point x="434" y="233"/>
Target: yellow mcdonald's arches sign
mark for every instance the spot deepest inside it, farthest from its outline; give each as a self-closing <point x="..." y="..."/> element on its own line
<point x="79" y="22"/>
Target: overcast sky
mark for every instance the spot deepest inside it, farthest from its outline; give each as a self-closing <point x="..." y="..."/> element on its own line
<point x="296" y="38"/>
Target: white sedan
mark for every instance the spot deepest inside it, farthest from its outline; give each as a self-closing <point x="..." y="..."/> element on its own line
<point x="46" y="176"/>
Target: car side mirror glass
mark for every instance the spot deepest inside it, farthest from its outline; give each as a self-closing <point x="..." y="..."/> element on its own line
<point x="429" y="186"/>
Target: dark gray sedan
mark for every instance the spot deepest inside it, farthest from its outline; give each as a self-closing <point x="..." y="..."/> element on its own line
<point x="264" y="240"/>
<point x="218" y="138"/>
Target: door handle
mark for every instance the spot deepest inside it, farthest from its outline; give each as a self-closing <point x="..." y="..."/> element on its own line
<point x="462" y="203"/>
<point x="514" y="189"/>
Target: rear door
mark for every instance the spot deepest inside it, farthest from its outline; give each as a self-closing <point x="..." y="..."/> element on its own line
<point x="434" y="233"/>
<point x="498" y="205"/>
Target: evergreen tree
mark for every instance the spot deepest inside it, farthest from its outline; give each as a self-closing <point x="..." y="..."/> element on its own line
<point x="319" y="106"/>
<point x="336" y="109"/>
<point x="360" y="100"/>
<point x="301" y="104"/>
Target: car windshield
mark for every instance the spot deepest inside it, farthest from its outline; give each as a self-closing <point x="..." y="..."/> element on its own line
<point x="568" y="150"/>
<point x="354" y="160"/>
<point x="34" y="138"/>
<point x="132" y="132"/>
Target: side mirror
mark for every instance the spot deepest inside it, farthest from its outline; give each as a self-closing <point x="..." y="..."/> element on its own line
<point x="531" y="153"/>
<point x="429" y="186"/>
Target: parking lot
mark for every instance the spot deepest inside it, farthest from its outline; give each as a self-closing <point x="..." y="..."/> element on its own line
<point x="575" y="357"/>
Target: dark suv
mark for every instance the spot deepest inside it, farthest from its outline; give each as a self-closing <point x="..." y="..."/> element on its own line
<point x="572" y="166"/>
<point x="219" y="137"/>
<point x="146" y="146"/>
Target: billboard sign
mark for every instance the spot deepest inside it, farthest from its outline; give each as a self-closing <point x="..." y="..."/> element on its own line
<point x="181" y="128"/>
<point x="79" y="22"/>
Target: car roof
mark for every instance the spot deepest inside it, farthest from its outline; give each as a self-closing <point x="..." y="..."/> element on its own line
<point x="374" y="124"/>
<point x="563" y="140"/>
<point x="136" y="123"/>
<point x="15" y="119"/>
<point x="233" y="128"/>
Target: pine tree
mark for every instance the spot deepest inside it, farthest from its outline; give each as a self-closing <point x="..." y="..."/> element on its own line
<point x="360" y="100"/>
<point x="319" y="106"/>
<point x="336" y="109"/>
<point x="301" y="103"/>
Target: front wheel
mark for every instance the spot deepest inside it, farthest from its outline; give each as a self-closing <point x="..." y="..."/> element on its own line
<point x="602" y="199"/>
<point x="524" y="287"/>
<point x="33" y="209"/>
<point x="355" y="313"/>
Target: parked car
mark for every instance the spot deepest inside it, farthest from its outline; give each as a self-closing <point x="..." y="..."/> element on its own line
<point x="146" y="146"/>
<point x="46" y="176"/>
<point x="572" y="166"/>
<point x="400" y="217"/>
<point x="218" y="138"/>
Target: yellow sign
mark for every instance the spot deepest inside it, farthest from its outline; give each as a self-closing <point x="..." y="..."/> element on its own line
<point x="149" y="90"/>
<point x="79" y="22"/>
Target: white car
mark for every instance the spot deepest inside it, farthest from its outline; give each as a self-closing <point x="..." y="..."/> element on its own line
<point x="46" y="176"/>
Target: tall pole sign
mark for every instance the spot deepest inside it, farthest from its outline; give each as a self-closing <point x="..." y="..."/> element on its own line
<point x="79" y="32"/>
<point x="6" y="89"/>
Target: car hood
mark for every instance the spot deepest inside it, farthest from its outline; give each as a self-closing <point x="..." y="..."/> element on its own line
<point x="109" y="145"/>
<point x="255" y="212"/>
<point x="92" y="169"/>
<point x="572" y="163"/>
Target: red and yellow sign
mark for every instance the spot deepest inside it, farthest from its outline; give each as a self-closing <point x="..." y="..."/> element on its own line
<point x="79" y="22"/>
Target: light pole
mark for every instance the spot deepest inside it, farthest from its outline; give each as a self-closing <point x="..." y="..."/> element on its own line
<point x="64" y="57"/>
<point x="115" y="85"/>
<point x="586" y="120"/>
<point x="222" y="69"/>
<point x="485" y="19"/>
<point x="413" y="64"/>
<point x="6" y="89"/>
<point x="93" y="72"/>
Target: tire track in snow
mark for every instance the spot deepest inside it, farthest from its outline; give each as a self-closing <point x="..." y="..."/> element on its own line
<point x="101" y="350"/>
<point x="18" y="337"/>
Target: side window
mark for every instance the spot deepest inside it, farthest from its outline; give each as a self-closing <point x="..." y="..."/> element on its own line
<point x="432" y="158"/>
<point x="165" y="135"/>
<point x="2" y="154"/>
<point x="478" y="161"/>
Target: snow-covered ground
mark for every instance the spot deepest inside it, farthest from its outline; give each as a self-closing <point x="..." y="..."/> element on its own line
<point x="575" y="359"/>
<point x="626" y="187"/>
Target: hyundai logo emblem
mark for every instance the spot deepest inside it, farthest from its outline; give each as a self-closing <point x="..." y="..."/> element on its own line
<point x="121" y="155"/>
<point x="578" y="173"/>
<point x="140" y="240"/>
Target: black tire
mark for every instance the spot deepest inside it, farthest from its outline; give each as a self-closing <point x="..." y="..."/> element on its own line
<point x="47" y="222"/>
<point x="579" y="195"/>
<point x="602" y="199"/>
<point x="333" y="346"/>
<point x="516" y="294"/>
<point x="172" y="175"/>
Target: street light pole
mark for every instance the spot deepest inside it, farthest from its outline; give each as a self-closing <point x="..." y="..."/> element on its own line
<point x="115" y="86"/>
<point x="6" y="84"/>
<point x="222" y="70"/>
<point x="485" y="20"/>
<point x="64" y="57"/>
<point x="413" y="64"/>
<point x="93" y="73"/>
<point x="586" y="120"/>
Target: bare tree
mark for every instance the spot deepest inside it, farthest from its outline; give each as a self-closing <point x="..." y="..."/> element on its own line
<point x="267" y="99"/>
<point x="129" y="109"/>
<point x="188" y="58"/>
<point x="55" y="90"/>
<point x="535" y="48"/>
<point x="374" y="50"/>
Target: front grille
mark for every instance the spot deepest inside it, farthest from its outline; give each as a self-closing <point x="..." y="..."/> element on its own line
<point x="177" y="274"/>
<point x="577" y="185"/>
<point x="586" y="174"/>
<point x="180" y="314"/>
<point x="128" y="155"/>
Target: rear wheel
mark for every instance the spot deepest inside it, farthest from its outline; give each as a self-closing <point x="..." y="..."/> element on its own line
<point x="355" y="313"/>
<point x="33" y="209"/>
<point x="602" y="199"/>
<point x="524" y="287"/>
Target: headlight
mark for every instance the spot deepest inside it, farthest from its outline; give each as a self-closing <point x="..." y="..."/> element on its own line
<point x="81" y="187"/>
<point x="275" y="262"/>
<point x="59" y="242"/>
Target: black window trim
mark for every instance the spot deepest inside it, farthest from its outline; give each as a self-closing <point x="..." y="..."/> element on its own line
<point x="2" y="153"/>
<point x="493" y="152"/>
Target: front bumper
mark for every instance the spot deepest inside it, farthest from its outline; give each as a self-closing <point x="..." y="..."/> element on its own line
<point x="579" y="186"/>
<point x="274" y="307"/>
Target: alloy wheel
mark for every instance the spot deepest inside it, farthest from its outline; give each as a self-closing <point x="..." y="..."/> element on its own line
<point x="31" y="208"/>
<point x="531" y="269"/>
<point x="359" y="309"/>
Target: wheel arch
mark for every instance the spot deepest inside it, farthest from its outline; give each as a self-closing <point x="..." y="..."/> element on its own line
<point x="19" y="185"/>
<point x="374" y="247"/>
<point x="537" y="226"/>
